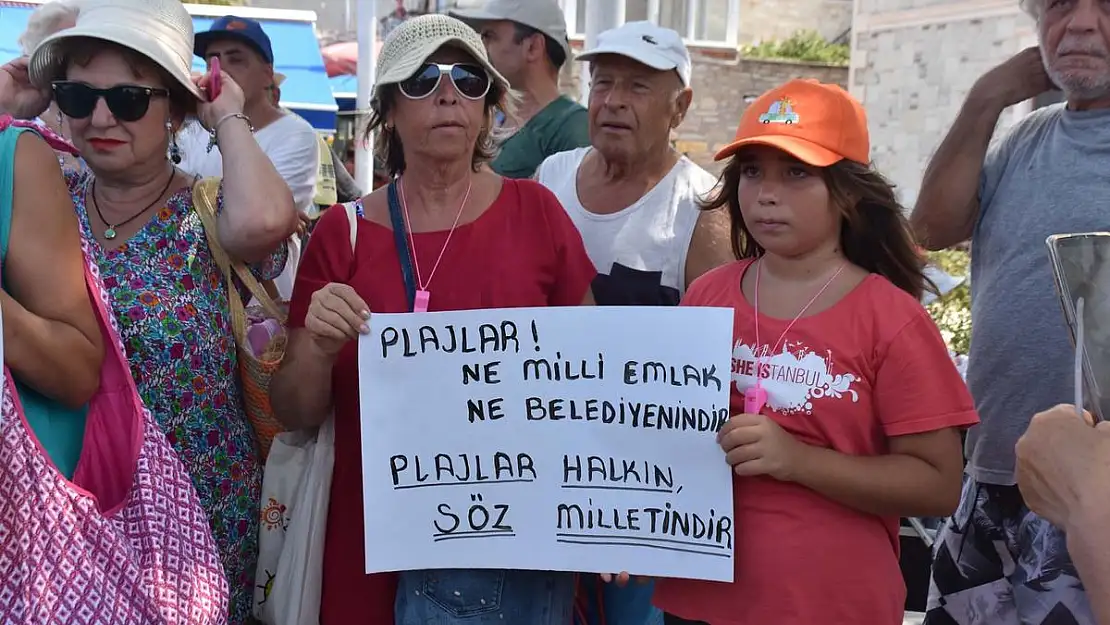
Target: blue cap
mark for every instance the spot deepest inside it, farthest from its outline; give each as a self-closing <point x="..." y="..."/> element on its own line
<point x="240" y="28"/>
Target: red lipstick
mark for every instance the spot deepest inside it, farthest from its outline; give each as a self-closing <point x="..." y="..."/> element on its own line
<point x="105" y="144"/>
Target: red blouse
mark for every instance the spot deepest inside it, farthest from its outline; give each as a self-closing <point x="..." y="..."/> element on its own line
<point x="523" y="251"/>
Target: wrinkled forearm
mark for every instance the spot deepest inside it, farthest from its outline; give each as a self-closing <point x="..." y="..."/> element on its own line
<point x="52" y="357"/>
<point x="948" y="202"/>
<point x="301" y="391"/>
<point x="258" y="209"/>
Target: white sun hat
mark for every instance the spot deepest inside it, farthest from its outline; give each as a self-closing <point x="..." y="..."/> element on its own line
<point x="160" y="30"/>
<point x="413" y="41"/>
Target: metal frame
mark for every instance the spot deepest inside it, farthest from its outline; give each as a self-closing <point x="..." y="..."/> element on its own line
<point x="917" y="529"/>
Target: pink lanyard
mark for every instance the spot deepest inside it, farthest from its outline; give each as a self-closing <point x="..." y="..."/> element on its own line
<point x="423" y="295"/>
<point x="756" y="397"/>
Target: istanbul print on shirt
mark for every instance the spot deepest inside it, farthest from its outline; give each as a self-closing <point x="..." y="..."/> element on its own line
<point x="794" y="377"/>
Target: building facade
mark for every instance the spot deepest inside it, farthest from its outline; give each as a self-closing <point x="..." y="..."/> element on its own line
<point x="710" y="22"/>
<point x="723" y="82"/>
<point x="913" y="64"/>
<point x="761" y="20"/>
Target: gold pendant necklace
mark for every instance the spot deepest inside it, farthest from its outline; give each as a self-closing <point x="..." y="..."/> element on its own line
<point x="110" y="231"/>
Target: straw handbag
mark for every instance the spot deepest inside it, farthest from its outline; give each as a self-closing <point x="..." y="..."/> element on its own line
<point x="255" y="371"/>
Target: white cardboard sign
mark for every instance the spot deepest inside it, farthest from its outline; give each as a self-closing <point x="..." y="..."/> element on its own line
<point x="565" y="439"/>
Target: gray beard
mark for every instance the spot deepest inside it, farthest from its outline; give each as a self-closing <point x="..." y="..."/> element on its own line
<point x="1082" y="89"/>
<point x="1074" y="88"/>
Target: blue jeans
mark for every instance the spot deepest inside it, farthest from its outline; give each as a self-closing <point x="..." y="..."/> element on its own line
<point x="484" y="597"/>
<point x="627" y="605"/>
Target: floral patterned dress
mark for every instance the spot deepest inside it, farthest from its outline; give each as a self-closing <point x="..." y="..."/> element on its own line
<point x="171" y="302"/>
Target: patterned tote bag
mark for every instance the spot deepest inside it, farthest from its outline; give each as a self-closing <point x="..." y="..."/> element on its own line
<point x="125" y="542"/>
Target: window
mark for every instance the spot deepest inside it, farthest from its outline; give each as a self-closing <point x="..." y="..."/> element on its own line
<point x="636" y="10"/>
<point x="703" y="22"/>
<point x="713" y="22"/>
<point x="675" y="14"/>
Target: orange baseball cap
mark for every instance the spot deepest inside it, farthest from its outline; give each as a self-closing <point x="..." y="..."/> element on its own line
<point x="816" y="123"/>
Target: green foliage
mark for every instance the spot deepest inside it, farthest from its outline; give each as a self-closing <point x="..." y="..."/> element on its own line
<point x="805" y="45"/>
<point x="952" y="312"/>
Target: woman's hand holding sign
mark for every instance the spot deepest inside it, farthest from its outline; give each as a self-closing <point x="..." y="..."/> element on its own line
<point x="755" y="445"/>
<point x="622" y="578"/>
<point x="336" y="316"/>
<point x="301" y="391"/>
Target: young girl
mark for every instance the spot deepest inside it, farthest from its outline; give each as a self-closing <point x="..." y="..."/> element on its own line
<point x="846" y="405"/>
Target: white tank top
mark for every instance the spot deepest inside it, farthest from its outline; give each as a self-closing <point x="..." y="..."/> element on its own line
<point x="639" y="251"/>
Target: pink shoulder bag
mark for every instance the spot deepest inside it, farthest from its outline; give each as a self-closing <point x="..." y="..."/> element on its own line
<point x="126" y="541"/>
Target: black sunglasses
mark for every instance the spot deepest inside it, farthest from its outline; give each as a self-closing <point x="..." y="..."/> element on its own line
<point x="471" y="81"/>
<point x="128" y="103"/>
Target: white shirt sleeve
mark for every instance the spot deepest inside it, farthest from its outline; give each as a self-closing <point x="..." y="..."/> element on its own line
<point x="295" y="151"/>
<point x="193" y="140"/>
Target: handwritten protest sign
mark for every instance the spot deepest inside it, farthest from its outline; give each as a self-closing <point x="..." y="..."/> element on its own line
<point x="567" y="439"/>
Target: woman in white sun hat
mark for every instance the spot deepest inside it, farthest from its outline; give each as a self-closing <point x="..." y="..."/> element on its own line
<point x="503" y="243"/>
<point x="121" y="78"/>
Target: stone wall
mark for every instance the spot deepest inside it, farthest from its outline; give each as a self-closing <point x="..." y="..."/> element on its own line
<point x="722" y="89"/>
<point x="913" y="63"/>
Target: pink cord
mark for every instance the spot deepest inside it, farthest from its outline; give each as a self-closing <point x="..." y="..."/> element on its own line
<point x="775" y="349"/>
<point x="412" y="243"/>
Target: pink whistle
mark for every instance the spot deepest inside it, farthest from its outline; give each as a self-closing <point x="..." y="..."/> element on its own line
<point x="420" y="302"/>
<point x="754" y="399"/>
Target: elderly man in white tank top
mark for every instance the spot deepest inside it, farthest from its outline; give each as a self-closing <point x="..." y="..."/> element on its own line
<point x="634" y="199"/>
<point x="632" y="196"/>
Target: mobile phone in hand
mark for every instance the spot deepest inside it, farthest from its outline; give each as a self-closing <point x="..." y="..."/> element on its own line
<point x="215" y="83"/>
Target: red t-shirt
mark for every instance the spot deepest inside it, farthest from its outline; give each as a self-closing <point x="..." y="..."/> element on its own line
<point x="523" y="251"/>
<point x="848" y="378"/>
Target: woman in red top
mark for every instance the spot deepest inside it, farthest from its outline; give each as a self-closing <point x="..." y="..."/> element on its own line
<point x="846" y="403"/>
<point x="477" y="241"/>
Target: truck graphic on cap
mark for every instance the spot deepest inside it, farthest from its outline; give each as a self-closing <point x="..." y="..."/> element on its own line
<point x="780" y="112"/>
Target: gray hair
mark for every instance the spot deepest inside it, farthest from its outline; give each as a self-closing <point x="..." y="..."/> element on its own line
<point x="47" y="20"/>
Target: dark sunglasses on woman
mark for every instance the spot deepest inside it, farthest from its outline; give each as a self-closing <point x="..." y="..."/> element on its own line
<point x="128" y="103"/>
<point x="470" y="80"/>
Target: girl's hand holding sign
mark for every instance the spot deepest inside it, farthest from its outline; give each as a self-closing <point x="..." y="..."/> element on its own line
<point x="755" y="445"/>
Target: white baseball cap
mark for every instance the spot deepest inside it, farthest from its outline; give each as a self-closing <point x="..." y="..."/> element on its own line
<point x="543" y="15"/>
<point x="657" y="47"/>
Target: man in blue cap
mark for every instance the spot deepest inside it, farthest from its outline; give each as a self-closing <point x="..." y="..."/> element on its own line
<point x="246" y="54"/>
